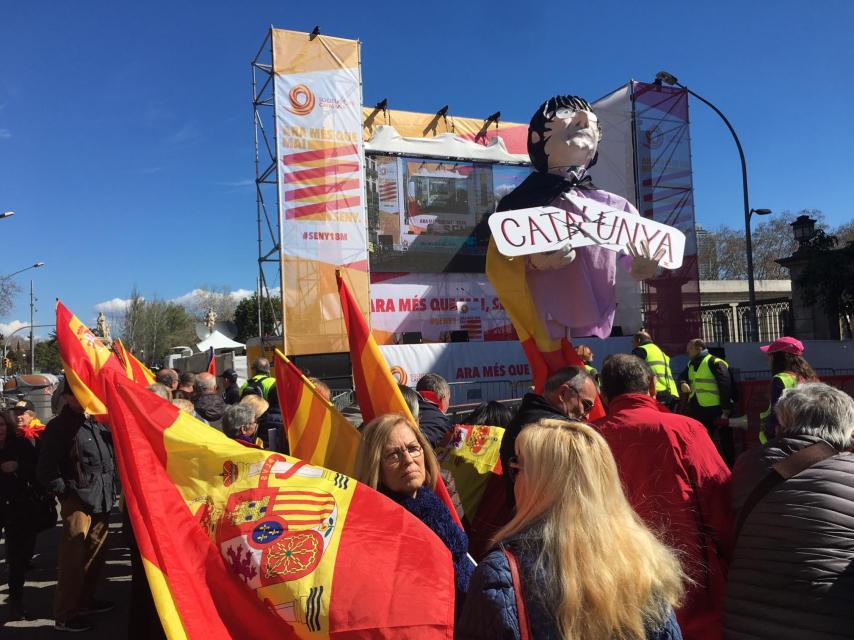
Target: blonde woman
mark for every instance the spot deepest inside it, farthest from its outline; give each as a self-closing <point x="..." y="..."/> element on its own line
<point x="587" y="568"/>
<point x="395" y="459"/>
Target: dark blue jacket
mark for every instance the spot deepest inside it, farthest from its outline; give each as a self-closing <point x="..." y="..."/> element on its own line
<point x="434" y="424"/>
<point x="490" y="608"/>
<point x="427" y="507"/>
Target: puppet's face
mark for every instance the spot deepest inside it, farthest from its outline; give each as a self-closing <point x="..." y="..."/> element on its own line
<point x="571" y="138"/>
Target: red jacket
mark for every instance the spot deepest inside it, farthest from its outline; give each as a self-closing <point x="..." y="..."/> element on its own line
<point x="677" y="482"/>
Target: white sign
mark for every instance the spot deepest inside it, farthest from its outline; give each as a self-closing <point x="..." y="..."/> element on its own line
<point x="523" y="232"/>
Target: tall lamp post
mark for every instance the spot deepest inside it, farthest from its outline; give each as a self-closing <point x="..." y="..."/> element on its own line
<point x="36" y="265"/>
<point x="6" y="214"/>
<point x="669" y="78"/>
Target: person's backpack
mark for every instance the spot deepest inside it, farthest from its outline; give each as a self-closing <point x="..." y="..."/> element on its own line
<point x="254" y="387"/>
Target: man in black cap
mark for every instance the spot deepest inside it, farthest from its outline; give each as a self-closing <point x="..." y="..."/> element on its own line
<point x="231" y="394"/>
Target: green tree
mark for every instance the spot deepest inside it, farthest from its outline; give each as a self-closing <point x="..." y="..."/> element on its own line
<point x="47" y="355"/>
<point x="246" y="317"/>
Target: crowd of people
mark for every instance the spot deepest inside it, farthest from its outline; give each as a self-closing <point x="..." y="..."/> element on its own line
<point x="635" y="525"/>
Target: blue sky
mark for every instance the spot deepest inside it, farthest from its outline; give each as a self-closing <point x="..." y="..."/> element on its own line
<point x="126" y="128"/>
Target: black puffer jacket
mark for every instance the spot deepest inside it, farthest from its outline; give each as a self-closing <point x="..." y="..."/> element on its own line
<point x="434" y="424"/>
<point x="792" y="573"/>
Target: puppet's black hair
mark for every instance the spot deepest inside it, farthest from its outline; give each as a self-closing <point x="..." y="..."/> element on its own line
<point x="546" y="111"/>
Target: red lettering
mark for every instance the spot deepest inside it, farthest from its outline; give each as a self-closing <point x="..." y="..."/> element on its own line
<point x="623" y="226"/>
<point x="404" y="304"/>
<point x="532" y="227"/>
<point x="599" y="224"/>
<point x="504" y="232"/>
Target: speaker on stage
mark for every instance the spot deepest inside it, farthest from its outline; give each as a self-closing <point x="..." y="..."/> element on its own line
<point x="411" y="337"/>
<point x="459" y="336"/>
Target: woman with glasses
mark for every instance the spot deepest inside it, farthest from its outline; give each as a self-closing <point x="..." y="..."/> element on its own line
<point x="396" y="459"/>
<point x="575" y="562"/>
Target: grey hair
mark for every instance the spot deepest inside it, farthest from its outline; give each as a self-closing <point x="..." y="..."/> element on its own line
<point x="817" y="409"/>
<point x="236" y="416"/>
<point x="205" y="383"/>
<point x="435" y="383"/>
<point x="410" y="395"/>
<point x="575" y="377"/>
<point x="261" y="365"/>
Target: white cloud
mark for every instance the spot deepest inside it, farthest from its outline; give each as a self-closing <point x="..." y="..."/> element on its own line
<point x="6" y="328"/>
<point x="241" y="294"/>
<point x="5" y="134"/>
<point x="114" y="306"/>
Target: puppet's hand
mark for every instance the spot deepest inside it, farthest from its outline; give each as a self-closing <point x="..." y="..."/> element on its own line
<point x="644" y="266"/>
<point x="552" y="260"/>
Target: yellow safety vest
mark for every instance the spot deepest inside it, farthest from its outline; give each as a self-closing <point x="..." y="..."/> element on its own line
<point x="591" y="371"/>
<point x="789" y="381"/>
<point x="659" y="362"/>
<point x="266" y="381"/>
<point x="703" y="383"/>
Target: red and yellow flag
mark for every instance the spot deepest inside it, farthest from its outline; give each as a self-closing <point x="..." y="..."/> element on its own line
<point x="245" y="543"/>
<point x="134" y="369"/>
<point x="84" y="357"/>
<point x="317" y="432"/>
<point x="546" y="354"/>
<point x="376" y="389"/>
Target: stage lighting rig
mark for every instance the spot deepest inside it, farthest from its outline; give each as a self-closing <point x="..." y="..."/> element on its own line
<point x="495" y="117"/>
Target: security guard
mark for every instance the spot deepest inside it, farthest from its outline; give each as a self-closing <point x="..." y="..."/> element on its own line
<point x="789" y="369"/>
<point x="666" y="391"/>
<point x="261" y="382"/>
<point x="709" y="385"/>
<point x="586" y="354"/>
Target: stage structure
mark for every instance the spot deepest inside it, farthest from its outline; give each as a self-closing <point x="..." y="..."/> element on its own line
<point x="399" y="202"/>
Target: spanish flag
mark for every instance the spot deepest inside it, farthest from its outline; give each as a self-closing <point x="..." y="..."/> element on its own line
<point x="546" y="354"/>
<point x="84" y="357"/>
<point x="245" y="543"/>
<point x="134" y="369"/>
<point x="376" y="389"/>
<point x="317" y="432"/>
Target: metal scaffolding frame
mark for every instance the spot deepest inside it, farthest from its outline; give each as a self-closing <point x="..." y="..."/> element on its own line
<point x="267" y="185"/>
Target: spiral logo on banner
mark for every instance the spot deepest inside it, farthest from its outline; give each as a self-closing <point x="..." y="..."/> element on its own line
<point x="302" y="100"/>
<point x="399" y="374"/>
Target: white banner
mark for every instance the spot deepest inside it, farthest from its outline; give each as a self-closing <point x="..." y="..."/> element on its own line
<point x="321" y="177"/>
<point x="436" y="304"/>
<point x="481" y="371"/>
<point x="540" y="229"/>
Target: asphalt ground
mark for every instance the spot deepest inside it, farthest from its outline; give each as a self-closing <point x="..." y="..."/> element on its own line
<point x="41" y="586"/>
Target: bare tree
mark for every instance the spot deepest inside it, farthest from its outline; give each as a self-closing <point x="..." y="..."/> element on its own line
<point x="8" y="291"/>
<point x="217" y="297"/>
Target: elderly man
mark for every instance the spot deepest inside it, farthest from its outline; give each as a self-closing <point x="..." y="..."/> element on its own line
<point x="677" y="483"/>
<point x="433" y="401"/>
<point x="209" y="405"/>
<point x="792" y="573"/>
<point x="168" y="378"/>
<point x="569" y="393"/>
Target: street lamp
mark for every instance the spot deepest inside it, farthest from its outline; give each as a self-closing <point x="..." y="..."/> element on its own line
<point x="32" y="266"/>
<point x="669" y="78"/>
<point x="6" y="214"/>
<point x="804" y="229"/>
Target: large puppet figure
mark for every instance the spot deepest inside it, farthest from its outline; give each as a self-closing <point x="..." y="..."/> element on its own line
<point x="551" y="297"/>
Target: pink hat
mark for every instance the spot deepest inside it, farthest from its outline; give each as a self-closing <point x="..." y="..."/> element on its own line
<point x="786" y="345"/>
